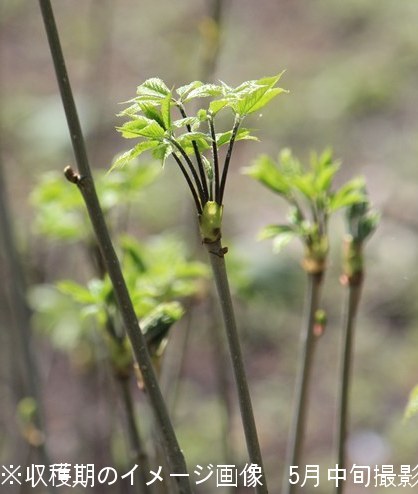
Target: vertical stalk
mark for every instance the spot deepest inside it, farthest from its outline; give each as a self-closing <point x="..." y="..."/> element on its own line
<point x="85" y="183"/>
<point x="217" y="260"/>
<point x="140" y="455"/>
<point x="353" y="299"/>
<point x="297" y="430"/>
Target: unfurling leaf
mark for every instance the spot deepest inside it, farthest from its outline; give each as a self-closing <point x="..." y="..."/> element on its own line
<point x="265" y="171"/>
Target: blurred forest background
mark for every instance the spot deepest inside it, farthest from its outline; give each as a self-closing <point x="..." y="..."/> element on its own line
<point x="352" y="71"/>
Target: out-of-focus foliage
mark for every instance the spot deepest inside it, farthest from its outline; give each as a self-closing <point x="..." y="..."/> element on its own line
<point x="310" y="197"/>
<point x="60" y="210"/>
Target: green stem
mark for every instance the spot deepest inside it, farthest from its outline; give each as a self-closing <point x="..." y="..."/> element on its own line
<point x="219" y="197"/>
<point x="85" y="183"/>
<point x="297" y="430"/>
<point x="199" y="185"/>
<point x="215" y="157"/>
<point x="353" y="299"/>
<point x="198" y="159"/>
<point x="217" y="260"/>
<point x="189" y="183"/>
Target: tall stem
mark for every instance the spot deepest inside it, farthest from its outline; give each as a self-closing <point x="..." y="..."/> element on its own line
<point x="85" y="183"/>
<point x="217" y="260"/>
<point x="140" y="455"/>
<point x="297" y="429"/>
<point x="353" y="299"/>
<point x="219" y="195"/>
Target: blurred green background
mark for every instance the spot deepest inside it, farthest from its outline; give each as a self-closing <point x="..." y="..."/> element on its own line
<point x="352" y="71"/>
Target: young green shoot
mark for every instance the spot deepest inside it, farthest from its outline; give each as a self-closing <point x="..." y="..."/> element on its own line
<point x="308" y="193"/>
<point x="361" y="223"/>
<point x="157" y="117"/>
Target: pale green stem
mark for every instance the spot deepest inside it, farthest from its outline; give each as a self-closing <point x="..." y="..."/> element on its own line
<point x="353" y="299"/>
<point x="297" y="429"/>
<point x="217" y="260"/>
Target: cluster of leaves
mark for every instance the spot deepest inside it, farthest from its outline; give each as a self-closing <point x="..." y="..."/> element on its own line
<point x="157" y="272"/>
<point x="310" y="196"/>
<point x="151" y="121"/>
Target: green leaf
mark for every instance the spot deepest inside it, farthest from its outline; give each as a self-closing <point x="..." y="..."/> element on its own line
<point x="151" y="111"/>
<point x="133" y="153"/>
<point x="78" y="293"/>
<point x="272" y="231"/>
<point x="205" y="91"/>
<point x="281" y="235"/>
<point x="305" y="184"/>
<point x="153" y="131"/>
<point x="256" y="94"/>
<point x="133" y="128"/>
<point x="349" y="194"/>
<point x="162" y="152"/>
<point x="242" y="133"/>
<point x="154" y="87"/>
<point x="265" y="171"/>
<point x="184" y="91"/>
<point x="186" y="141"/>
<point x="217" y="105"/>
<point x="412" y="407"/>
<point x="132" y="249"/>
<point x="193" y="122"/>
<point x="166" y="111"/>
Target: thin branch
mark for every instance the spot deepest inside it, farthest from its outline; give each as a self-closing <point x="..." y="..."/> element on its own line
<point x="217" y="260"/>
<point x="85" y="183"/>
<point x="297" y="430"/>
<point x="192" y="169"/>
<point x="219" y="197"/>
<point x="198" y="158"/>
<point x="215" y="158"/>
<point x="353" y="299"/>
<point x="189" y="183"/>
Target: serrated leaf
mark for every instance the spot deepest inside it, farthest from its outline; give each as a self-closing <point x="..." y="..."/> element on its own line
<point x="153" y="131"/>
<point x="152" y="112"/>
<point x="242" y="134"/>
<point x="192" y="122"/>
<point x="257" y="100"/>
<point x="133" y="153"/>
<point x="186" y="141"/>
<point x="256" y="94"/>
<point x="204" y="91"/>
<point x="265" y="171"/>
<point x="183" y="91"/>
<point x="154" y="87"/>
<point x="133" y="128"/>
<point x="412" y="406"/>
<point x="217" y="105"/>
